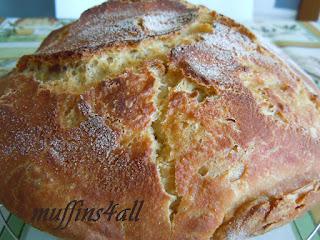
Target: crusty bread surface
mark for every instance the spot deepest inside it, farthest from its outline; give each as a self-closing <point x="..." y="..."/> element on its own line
<point x="165" y="102"/>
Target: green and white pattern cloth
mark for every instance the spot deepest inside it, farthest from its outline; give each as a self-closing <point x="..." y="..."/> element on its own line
<point x="299" y="40"/>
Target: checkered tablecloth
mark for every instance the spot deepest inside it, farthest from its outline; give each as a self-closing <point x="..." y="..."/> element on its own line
<point x="299" y="40"/>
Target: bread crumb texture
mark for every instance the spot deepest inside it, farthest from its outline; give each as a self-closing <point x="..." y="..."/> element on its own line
<point x="165" y="102"/>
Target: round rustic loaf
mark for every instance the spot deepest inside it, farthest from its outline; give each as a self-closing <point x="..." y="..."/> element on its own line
<point x="172" y="111"/>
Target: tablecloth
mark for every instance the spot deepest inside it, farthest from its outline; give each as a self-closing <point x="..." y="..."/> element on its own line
<point x="299" y="40"/>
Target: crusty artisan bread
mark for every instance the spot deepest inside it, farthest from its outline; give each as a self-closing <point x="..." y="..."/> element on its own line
<point x="163" y="102"/>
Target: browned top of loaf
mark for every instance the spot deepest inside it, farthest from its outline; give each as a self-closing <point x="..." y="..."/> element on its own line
<point x="118" y="21"/>
<point x="166" y="102"/>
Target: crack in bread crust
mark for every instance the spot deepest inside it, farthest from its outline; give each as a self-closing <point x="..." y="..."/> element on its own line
<point x="170" y="83"/>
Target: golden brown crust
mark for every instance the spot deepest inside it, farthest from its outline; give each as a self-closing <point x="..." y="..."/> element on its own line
<point x="216" y="134"/>
<point x="114" y="23"/>
<point x="120" y="21"/>
<point x="85" y="162"/>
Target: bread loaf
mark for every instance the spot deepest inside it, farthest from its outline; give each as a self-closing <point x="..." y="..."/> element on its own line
<point x="168" y="109"/>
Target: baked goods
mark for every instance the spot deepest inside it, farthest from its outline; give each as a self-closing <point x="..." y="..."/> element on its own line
<point x="164" y="103"/>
